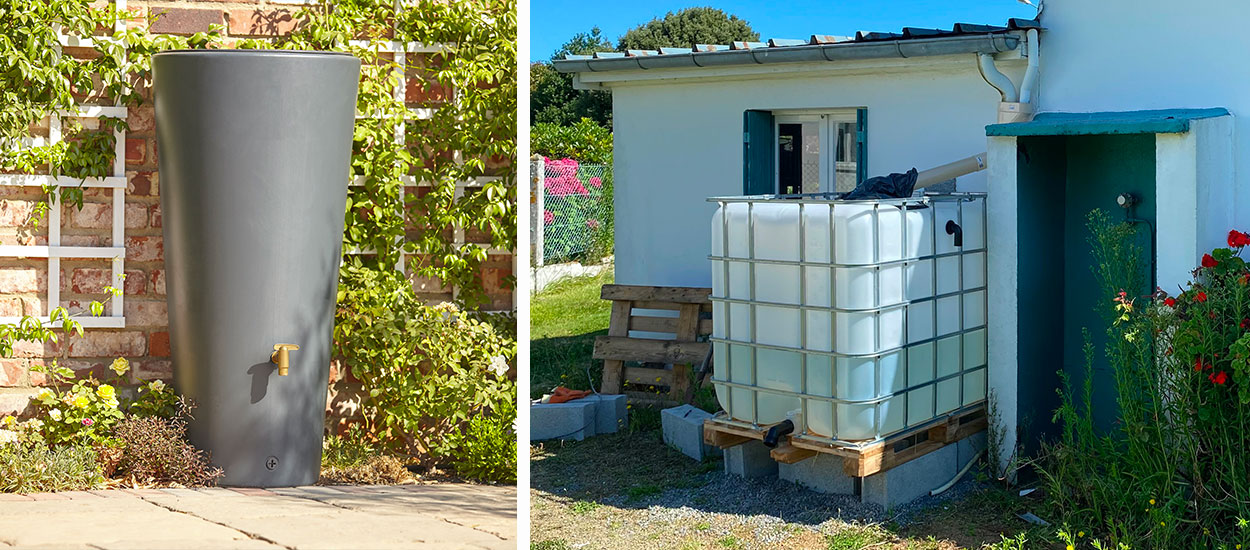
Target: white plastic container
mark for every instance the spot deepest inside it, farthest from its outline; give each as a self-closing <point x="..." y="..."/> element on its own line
<point x="863" y="316"/>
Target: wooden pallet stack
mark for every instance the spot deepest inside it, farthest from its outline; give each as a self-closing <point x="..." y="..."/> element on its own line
<point x="663" y="358"/>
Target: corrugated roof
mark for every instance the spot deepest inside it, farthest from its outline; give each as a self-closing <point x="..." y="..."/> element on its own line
<point x="907" y="33"/>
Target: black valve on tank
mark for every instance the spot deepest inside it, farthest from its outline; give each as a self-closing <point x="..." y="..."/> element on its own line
<point x="774" y="434"/>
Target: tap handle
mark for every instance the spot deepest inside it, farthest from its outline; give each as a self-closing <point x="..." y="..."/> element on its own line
<point x="282" y="356"/>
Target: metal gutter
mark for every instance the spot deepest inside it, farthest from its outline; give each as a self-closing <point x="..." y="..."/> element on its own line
<point x="990" y="43"/>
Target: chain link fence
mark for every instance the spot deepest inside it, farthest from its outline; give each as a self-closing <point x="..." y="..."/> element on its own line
<point x="570" y="210"/>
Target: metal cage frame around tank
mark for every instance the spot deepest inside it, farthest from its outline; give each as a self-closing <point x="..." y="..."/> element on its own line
<point x="831" y="199"/>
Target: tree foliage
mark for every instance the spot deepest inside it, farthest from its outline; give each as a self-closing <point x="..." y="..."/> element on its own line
<point x="552" y="97"/>
<point x="686" y="28"/>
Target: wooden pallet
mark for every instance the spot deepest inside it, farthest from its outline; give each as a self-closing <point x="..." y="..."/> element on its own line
<point x="669" y="361"/>
<point x="858" y="461"/>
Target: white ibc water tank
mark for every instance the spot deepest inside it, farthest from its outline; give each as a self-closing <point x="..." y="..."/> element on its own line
<point x="864" y="316"/>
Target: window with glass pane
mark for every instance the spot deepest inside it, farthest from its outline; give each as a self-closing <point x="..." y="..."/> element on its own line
<point x="816" y="152"/>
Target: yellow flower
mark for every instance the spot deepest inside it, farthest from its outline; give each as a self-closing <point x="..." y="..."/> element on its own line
<point x="44" y="394"/>
<point x="1162" y="523"/>
<point x="157" y="385"/>
<point x="106" y="392"/>
<point x="1070" y="547"/>
<point x="120" y="366"/>
<point x="1080" y="534"/>
<point x="1152" y="502"/>
<point x="80" y="401"/>
<point x="10" y="421"/>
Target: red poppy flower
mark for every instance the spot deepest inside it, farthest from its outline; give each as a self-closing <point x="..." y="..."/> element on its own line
<point x="1245" y="279"/>
<point x="1209" y="261"/>
<point x="1169" y="301"/>
<point x="1218" y="378"/>
<point x="1245" y="323"/>
<point x="1200" y="296"/>
<point x="1198" y="366"/>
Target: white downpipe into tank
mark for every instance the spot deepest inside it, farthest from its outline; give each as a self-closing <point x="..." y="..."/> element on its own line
<point x="950" y="171"/>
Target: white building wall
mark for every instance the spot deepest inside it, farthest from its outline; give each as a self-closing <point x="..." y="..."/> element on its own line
<point x="679" y="142"/>
<point x="1125" y="55"/>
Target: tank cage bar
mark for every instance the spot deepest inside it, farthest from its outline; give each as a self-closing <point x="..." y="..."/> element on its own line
<point x="804" y="395"/>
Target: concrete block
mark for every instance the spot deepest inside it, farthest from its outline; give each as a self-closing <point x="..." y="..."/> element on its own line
<point x="611" y="412"/>
<point x="971" y="445"/>
<point x="572" y="420"/>
<point x="821" y="473"/>
<point x="750" y="460"/>
<point x="683" y="428"/>
<point x="911" y="480"/>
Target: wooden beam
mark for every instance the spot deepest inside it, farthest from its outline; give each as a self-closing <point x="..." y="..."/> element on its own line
<point x="679" y="294"/>
<point x="722" y="440"/>
<point x="647" y="323"/>
<point x="789" y="454"/>
<point x="646" y="350"/>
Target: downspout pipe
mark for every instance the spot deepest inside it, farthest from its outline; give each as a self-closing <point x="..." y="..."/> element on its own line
<point x="1028" y="87"/>
<point x="996" y="78"/>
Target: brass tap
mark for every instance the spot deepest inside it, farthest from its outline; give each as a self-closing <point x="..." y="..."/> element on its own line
<point x="282" y="356"/>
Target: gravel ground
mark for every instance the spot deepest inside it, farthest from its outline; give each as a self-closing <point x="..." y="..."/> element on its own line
<point x="580" y="499"/>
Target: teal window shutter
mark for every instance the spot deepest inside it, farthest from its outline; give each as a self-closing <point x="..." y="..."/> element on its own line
<point x="758" y="144"/>
<point x="861" y="145"/>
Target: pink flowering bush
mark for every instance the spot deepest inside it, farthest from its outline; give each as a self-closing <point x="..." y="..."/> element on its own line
<point x="578" y="209"/>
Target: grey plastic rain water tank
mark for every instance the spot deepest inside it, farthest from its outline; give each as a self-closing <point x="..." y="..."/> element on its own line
<point x="255" y="149"/>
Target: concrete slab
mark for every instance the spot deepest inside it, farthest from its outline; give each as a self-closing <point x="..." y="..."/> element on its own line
<point x="683" y="429"/>
<point x="611" y="412"/>
<point x="750" y="460"/>
<point x="821" y="473"/>
<point x="572" y="420"/>
<point x="911" y="480"/>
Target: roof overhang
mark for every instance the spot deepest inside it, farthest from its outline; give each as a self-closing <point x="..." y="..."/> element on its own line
<point x="1168" y="121"/>
<point x="989" y="43"/>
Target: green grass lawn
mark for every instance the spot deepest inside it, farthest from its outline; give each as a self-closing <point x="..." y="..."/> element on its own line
<point x="565" y="318"/>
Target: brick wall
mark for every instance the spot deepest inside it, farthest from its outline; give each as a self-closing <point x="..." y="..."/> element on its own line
<point x="145" y="340"/>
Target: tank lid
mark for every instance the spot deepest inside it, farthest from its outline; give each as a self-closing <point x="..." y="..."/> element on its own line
<point x="239" y="52"/>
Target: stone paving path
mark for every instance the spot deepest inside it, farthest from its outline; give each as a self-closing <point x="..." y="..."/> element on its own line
<point x="447" y="515"/>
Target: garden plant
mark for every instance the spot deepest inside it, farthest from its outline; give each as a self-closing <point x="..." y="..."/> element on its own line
<point x="1173" y="472"/>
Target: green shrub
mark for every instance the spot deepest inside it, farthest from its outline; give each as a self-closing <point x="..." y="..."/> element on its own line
<point x="34" y="467"/>
<point x="584" y="140"/>
<point x="486" y="449"/>
<point x="1173" y="472"/>
<point x="428" y="372"/>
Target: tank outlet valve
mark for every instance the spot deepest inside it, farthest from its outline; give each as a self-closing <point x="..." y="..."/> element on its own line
<point x="776" y="432"/>
<point x="953" y="228"/>
<point x="282" y="357"/>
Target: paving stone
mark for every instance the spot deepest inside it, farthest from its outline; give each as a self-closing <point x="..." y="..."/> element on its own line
<point x="821" y="473"/>
<point x="911" y="480"/>
<point x="683" y="429"/>
<point x="572" y="420"/>
<point x="79" y="495"/>
<point x="750" y="460"/>
<point x="13" y="497"/>
<point x="430" y="516"/>
<point x="251" y="491"/>
<point x="47" y="496"/>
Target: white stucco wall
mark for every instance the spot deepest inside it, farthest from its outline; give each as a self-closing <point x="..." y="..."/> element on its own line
<point x="678" y="142"/>
<point x="1124" y="55"/>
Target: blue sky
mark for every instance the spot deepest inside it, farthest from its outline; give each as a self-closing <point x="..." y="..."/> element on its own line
<point x="553" y="22"/>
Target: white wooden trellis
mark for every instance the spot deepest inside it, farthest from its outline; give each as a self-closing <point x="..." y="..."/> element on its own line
<point x="400" y="51"/>
<point x="54" y="250"/>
